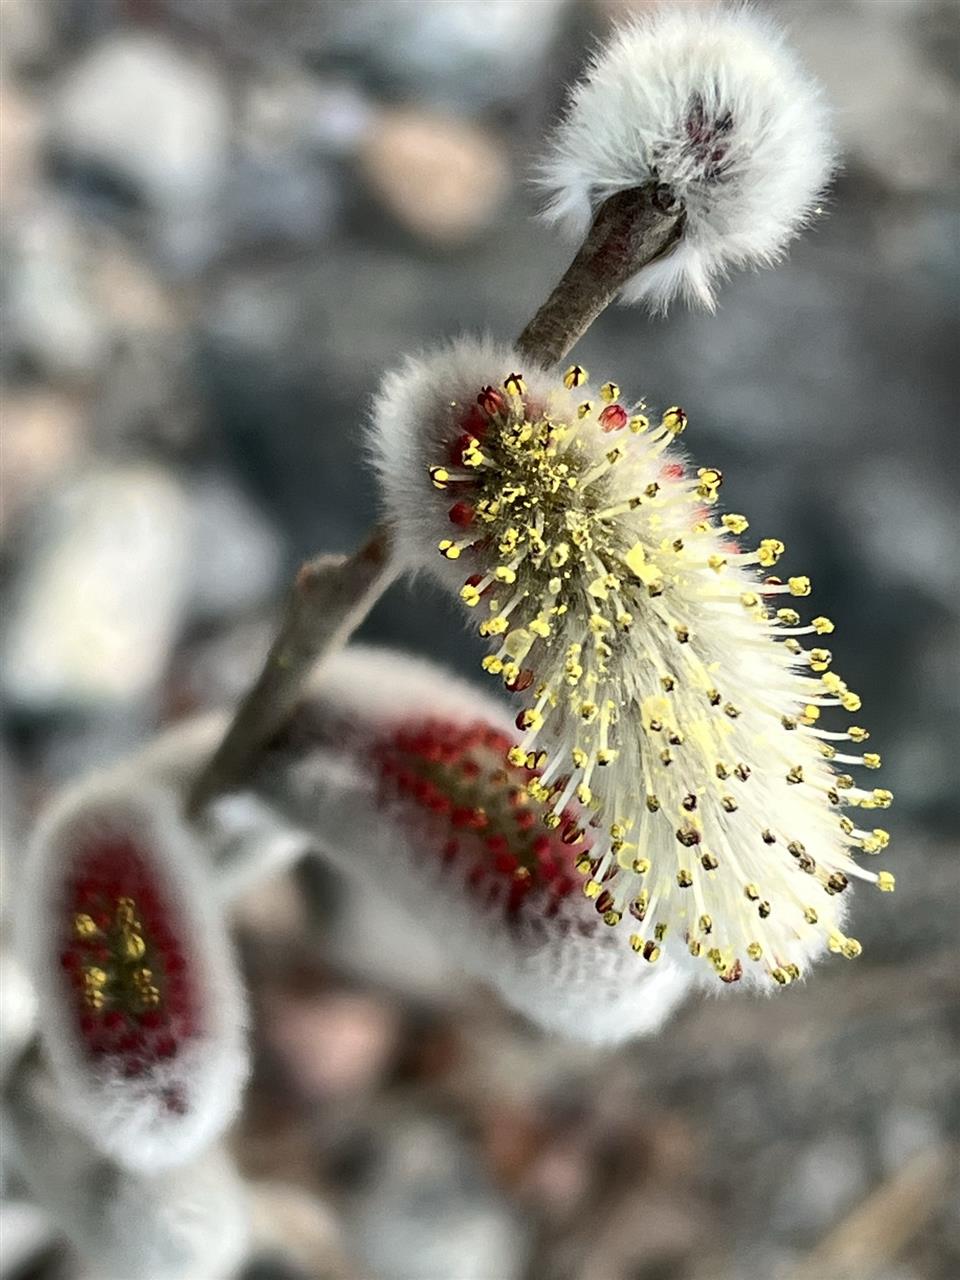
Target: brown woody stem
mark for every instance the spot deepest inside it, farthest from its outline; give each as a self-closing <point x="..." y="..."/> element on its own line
<point x="630" y="230"/>
<point x="330" y="598"/>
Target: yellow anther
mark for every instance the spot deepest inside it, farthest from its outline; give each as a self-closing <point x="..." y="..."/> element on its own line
<point x="789" y="617"/>
<point x="515" y="384"/>
<point x="610" y="392"/>
<point x="883" y="798"/>
<point x="871" y="760"/>
<point x="799" y="586"/>
<point x="857" y="734"/>
<point x="638" y="423"/>
<point x="716" y="563"/>
<point x="850" y="701"/>
<point x="517" y="756"/>
<point x="133" y="946"/>
<point x="449" y="549"/>
<point x="492" y="663"/>
<point x="851" y="948"/>
<point x="734" y="523"/>
<point x="674" y="419"/>
<point x="439" y="477"/>
<point x="559" y="555"/>
<point x="540" y="627"/>
<point x="749" y="599"/>
<point x="84" y="926"/>
<point x="584" y="409"/>
<point x="575" y="376"/>
<point x="822" y="626"/>
<point x="592" y="889"/>
<point x="770" y="551"/>
<point x="886" y="882"/>
<point x="754" y="950"/>
<point x="470" y="595"/>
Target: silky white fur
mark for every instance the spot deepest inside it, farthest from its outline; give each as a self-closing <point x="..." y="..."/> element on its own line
<point x="127" y="1118"/>
<point x="409" y="431"/>
<point x="626" y="126"/>
<point x="589" y="988"/>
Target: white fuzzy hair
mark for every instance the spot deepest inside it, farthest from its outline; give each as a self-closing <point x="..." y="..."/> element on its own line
<point x="409" y="431"/>
<point x="128" y="1119"/>
<point x="585" y="987"/>
<point x="627" y="125"/>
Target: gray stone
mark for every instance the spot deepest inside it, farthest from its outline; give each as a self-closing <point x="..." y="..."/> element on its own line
<point x="101" y="591"/>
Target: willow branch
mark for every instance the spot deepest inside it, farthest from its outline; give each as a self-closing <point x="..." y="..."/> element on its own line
<point x="330" y="598"/>
<point x="631" y="230"/>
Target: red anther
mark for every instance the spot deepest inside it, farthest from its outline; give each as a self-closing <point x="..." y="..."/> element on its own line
<point x="492" y="401"/>
<point x="151" y="1019"/>
<point x="613" y="418"/>
<point x="672" y="471"/>
<point x="604" y="902"/>
<point x="523" y="681"/>
<point x="497" y="843"/>
<point x="506" y="863"/>
<point x="462" y="514"/>
<point x="541" y="845"/>
<point x="469" y="770"/>
<point x="113" y="1020"/>
<point x="475" y="422"/>
<point x="525" y="819"/>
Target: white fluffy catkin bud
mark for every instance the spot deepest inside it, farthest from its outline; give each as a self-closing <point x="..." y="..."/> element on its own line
<point x="665" y="686"/>
<point x="140" y="1005"/>
<point x="398" y="770"/>
<point x="715" y="106"/>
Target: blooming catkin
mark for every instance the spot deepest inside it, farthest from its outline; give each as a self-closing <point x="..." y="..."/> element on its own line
<point x="400" y="772"/>
<point x="140" y="1004"/>
<point x="665" y="688"/>
<point x="712" y="104"/>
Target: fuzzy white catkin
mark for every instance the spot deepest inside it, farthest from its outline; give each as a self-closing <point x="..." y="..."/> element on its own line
<point x="190" y="1223"/>
<point x="713" y="103"/>
<point x="665" y="682"/>
<point x="581" y="986"/>
<point x="130" y="1118"/>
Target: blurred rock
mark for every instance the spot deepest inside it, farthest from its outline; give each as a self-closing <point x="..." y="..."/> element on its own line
<point x="142" y="109"/>
<point x="429" y="1212"/>
<point x="825" y="1180"/>
<point x="51" y="321"/>
<point x="22" y="126"/>
<point x="894" y="108"/>
<point x="333" y="1045"/>
<point x="466" y="55"/>
<point x="295" y="1234"/>
<point x="237" y="554"/>
<point x="43" y="433"/>
<point x="442" y="179"/>
<point x="101" y="591"/>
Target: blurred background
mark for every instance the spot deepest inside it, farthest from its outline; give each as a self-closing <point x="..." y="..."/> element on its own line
<point x="221" y="219"/>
